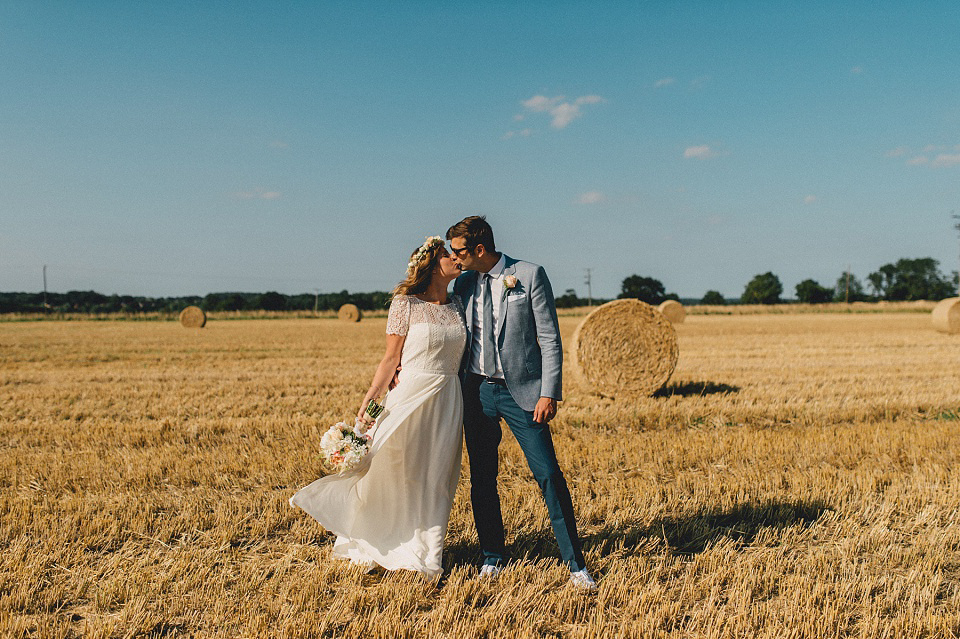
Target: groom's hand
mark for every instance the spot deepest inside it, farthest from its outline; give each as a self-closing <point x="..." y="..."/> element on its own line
<point x="545" y="410"/>
<point x="395" y="380"/>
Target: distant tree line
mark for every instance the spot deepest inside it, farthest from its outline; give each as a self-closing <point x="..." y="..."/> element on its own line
<point x="93" y="302"/>
<point x="569" y="299"/>
<point x="645" y="289"/>
<point x="904" y="280"/>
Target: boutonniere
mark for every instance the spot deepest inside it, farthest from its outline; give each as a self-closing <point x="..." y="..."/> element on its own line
<point x="509" y="282"/>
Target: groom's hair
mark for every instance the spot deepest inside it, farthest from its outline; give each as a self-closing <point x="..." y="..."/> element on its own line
<point x="475" y="231"/>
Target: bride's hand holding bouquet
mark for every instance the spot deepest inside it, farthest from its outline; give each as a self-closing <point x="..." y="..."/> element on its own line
<point x="370" y="409"/>
<point x="343" y="447"/>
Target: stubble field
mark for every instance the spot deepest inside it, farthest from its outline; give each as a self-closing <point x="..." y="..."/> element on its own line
<point x="798" y="477"/>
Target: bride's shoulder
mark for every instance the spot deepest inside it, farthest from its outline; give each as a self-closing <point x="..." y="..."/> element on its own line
<point x="401" y="301"/>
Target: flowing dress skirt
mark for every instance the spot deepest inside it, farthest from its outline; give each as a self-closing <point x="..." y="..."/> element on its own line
<point x="392" y="510"/>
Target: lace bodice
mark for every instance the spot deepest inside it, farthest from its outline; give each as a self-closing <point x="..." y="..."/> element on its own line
<point x="435" y="334"/>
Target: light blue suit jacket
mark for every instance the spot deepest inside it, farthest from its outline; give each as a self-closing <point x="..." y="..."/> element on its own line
<point x="527" y="332"/>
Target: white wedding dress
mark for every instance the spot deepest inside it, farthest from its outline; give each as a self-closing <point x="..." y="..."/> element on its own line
<point x="393" y="508"/>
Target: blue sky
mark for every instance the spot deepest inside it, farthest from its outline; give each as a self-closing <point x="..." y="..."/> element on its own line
<point x="180" y="148"/>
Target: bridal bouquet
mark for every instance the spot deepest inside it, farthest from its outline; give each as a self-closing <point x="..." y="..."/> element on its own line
<point x="343" y="446"/>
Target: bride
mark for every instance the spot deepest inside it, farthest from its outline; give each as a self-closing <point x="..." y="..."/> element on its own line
<point x="392" y="510"/>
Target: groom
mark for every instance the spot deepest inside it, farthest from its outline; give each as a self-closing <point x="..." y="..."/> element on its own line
<point x="511" y="370"/>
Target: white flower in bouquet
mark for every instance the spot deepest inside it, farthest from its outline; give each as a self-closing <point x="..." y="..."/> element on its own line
<point x="353" y="456"/>
<point x="342" y="447"/>
<point x="332" y="438"/>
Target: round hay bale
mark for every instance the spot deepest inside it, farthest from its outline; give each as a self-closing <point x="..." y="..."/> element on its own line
<point x="349" y="313"/>
<point x="673" y="311"/>
<point x="624" y="348"/>
<point x="193" y="317"/>
<point x="946" y="315"/>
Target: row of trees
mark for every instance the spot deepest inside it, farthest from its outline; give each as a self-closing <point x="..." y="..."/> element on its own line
<point x="93" y="302"/>
<point x="903" y="280"/>
<point x="647" y="289"/>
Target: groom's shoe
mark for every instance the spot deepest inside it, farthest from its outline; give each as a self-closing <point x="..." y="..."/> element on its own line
<point x="582" y="580"/>
<point x="490" y="571"/>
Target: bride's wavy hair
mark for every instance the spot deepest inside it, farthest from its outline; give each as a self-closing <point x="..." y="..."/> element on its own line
<point x="420" y="269"/>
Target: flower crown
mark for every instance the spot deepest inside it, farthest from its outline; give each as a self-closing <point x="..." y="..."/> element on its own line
<point x="429" y="244"/>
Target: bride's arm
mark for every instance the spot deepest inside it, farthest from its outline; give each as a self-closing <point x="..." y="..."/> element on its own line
<point x="385" y="371"/>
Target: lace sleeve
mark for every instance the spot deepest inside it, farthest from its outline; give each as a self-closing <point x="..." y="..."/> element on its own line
<point x="398" y="319"/>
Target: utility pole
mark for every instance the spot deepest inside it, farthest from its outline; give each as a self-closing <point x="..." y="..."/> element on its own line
<point x="316" y="300"/>
<point x="45" y="306"/>
<point x="589" y="289"/>
<point x="846" y="295"/>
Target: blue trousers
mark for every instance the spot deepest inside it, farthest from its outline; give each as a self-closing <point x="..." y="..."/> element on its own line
<point x="484" y="403"/>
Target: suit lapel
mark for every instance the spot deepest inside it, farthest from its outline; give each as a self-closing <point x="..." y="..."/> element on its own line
<point x="508" y="269"/>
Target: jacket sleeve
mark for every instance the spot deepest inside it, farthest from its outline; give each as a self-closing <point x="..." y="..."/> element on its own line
<point x="548" y="335"/>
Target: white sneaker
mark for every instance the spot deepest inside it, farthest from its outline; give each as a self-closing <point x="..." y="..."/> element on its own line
<point x="489" y="571"/>
<point x="582" y="580"/>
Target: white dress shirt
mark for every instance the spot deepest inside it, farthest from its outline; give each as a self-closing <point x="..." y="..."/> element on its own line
<point x="476" y="346"/>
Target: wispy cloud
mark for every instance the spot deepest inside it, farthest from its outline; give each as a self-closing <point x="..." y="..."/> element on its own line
<point x="591" y="197"/>
<point x="702" y="152"/>
<point x="698" y="82"/>
<point x="946" y="159"/>
<point x="279" y="144"/>
<point x="932" y="155"/>
<point x="523" y="133"/>
<point x="561" y="111"/>
<point x="257" y="195"/>
<point x="856" y="70"/>
<point x="810" y="199"/>
<point x="694" y="84"/>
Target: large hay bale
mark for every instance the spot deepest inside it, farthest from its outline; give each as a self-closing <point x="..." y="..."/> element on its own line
<point x="193" y="317"/>
<point x="946" y="315"/>
<point x="673" y="311"/>
<point x="349" y="313"/>
<point x="624" y="348"/>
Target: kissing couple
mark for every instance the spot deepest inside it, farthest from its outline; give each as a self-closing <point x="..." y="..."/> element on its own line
<point x="489" y="351"/>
